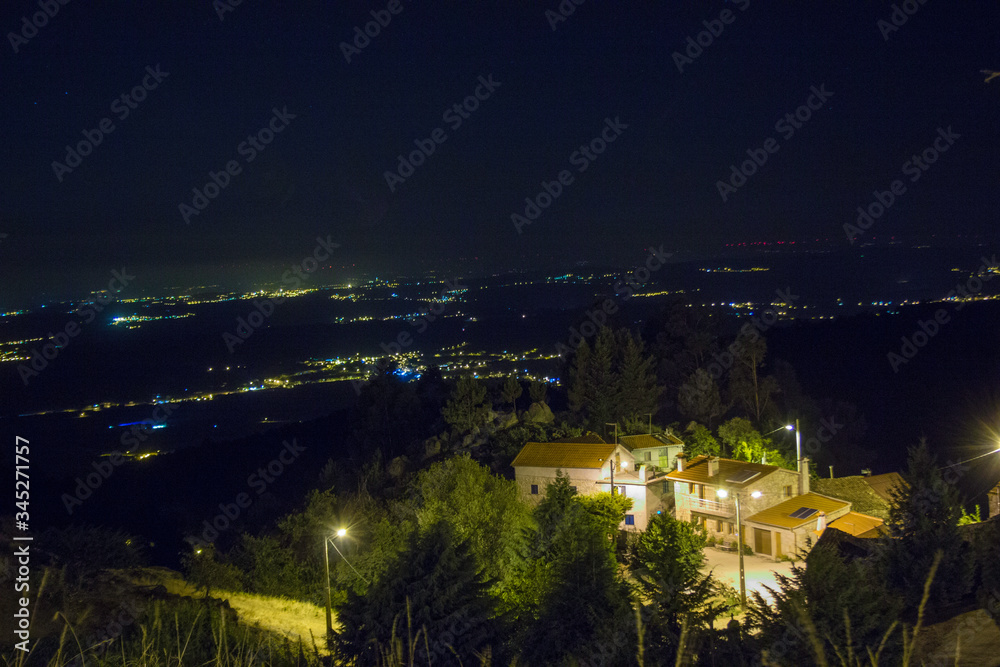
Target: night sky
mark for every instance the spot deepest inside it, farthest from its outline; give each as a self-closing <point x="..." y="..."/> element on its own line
<point x="323" y="173"/>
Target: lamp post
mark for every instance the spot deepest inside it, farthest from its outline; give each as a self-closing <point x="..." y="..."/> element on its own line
<point x="798" y="442"/>
<point x="328" y="540"/>
<point x="722" y="493"/>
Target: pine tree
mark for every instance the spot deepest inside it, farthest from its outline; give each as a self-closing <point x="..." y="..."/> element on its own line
<point x="666" y="562"/>
<point x="537" y="391"/>
<point x="637" y="391"/>
<point x="511" y="391"/>
<point x="923" y="519"/>
<point x="467" y="408"/>
<point x="584" y="608"/>
<point x="434" y="589"/>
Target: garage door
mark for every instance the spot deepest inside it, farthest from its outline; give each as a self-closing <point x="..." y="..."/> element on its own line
<point x="762" y="541"/>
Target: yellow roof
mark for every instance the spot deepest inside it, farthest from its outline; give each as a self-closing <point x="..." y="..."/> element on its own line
<point x="696" y="470"/>
<point x="563" y="455"/>
<point x="780" y="515"/>
<point x="856" y="523"/>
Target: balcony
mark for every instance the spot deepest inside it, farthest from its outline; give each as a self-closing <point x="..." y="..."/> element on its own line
<point x="712" y="506"/>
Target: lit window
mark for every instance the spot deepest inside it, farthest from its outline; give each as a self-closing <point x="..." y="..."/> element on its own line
<point x="534" y="489"/>
<point x="718" y="525"/>
<point x="629" y="519"/>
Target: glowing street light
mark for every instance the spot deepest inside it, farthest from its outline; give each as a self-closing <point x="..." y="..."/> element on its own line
<point x="798" y="442"/>
<point x="328" y="540"/>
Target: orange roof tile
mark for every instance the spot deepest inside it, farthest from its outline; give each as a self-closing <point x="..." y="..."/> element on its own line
<point x="855" y="523"/>
<point x="780" y="515"/>
<point x="696" y="470"/>
<point x="563" y="455"/>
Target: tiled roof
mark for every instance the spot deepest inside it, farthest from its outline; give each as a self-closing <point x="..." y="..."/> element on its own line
<point x="857" y="524"/>
<point x="780" y="515"/>
<point x="563" y="455"/>
<point x="591" y="438"/>
<point x="696" y="470"/>
<point x="645" y="440"/>
<point x="856" y="490"/>
<point x="882" y="483"/>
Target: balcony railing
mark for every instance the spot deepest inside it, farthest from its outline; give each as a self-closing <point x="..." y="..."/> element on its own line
<point x="713" y="506"/>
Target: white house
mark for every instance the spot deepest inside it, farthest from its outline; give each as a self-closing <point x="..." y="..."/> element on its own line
<point x="592" y="466"/>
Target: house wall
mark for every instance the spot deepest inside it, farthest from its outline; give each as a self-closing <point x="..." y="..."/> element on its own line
<point x="772" y="488"/>
<point x="584" y="479"/>
<point x="793" y="542"/>
<point x="663" y="461"/>
<point x="994" y="502"/>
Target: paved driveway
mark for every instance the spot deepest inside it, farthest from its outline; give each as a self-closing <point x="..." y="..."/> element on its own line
<point x="759" y="571"/>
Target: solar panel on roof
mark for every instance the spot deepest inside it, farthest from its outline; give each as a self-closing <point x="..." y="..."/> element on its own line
<point x="802" y="513"/>
<point x="742" y="476"/>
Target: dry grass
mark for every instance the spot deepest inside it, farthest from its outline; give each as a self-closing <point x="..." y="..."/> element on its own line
<point x="299" y="621"/>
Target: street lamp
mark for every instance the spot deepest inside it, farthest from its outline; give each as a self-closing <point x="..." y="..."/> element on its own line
<point x="722" y="493"/>
<point x="328" y="540"/>
<point x="798" y="441"/>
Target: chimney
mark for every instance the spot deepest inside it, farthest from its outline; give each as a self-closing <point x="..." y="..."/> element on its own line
<point x="804" y="477"/>
<point x="713" y="466"/>
<point x="821" y="522"/>
<point x="680" y="461"/>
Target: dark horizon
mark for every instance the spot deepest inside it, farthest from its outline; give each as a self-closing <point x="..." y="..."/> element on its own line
<point x="224" y="78"/>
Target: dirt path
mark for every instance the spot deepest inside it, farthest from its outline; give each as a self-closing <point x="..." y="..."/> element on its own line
<point x="291" y="618"/>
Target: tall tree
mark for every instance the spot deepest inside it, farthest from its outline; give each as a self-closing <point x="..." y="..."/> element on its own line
<point x="537" y="391"/>
<point x="467" y="409"/>
<point x="699" y="399"/>
<point x="435" y="589"/>
<point x="666" y="562"/>
<point x="636" y="390"/>
<point x="745" y="443"/>
<point x="485" y="510"/>
<point x="923" y="519"/>
<point x="749" y="388"/>
<point x="511" y="391"/>
<point x="699" y="440"/>
<point x="584" y="607"/>
<point x="385" y="413"/>
<point x="846" y="603"/>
